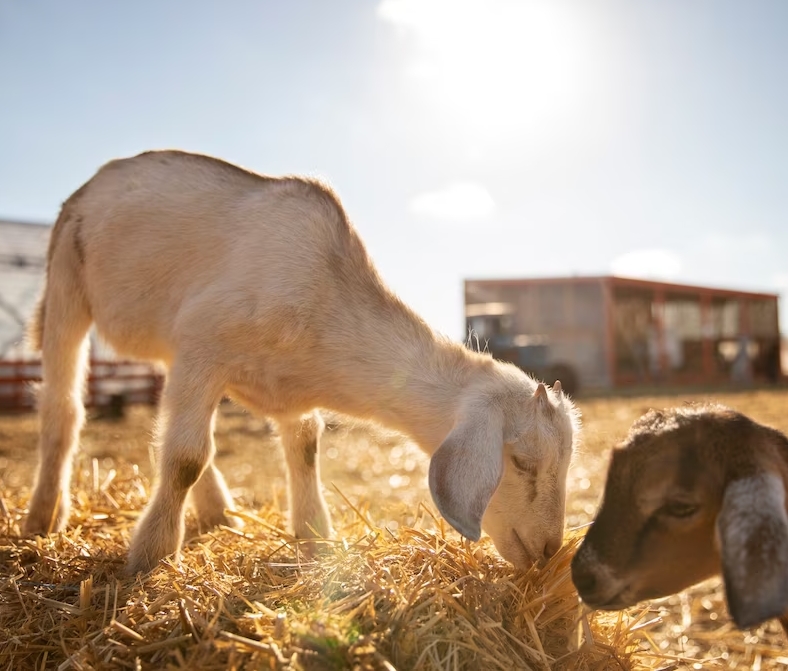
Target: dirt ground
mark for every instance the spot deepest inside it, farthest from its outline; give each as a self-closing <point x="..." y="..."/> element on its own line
<point x="387" y="475"/>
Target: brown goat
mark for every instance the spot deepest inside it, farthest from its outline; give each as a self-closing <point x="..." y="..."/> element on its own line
<point x="691" y="493"/>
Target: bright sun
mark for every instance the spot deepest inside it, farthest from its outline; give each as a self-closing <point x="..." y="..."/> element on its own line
<point x="494" y="67"/>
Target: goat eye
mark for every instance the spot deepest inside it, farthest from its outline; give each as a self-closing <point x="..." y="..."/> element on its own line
<point x="524" y="466"/>
<point x="679" y="509"/>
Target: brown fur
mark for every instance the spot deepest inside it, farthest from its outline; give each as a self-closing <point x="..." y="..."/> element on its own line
<point x="656" y="531"/>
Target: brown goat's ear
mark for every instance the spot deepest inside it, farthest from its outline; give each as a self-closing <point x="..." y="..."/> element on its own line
<point x="466" y="469"/>
<point x="752" y="531"/>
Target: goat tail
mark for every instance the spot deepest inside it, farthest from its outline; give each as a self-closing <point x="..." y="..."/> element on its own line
<point x="34" y="332"/>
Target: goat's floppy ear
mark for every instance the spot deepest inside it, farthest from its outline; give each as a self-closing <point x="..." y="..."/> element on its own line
<point x="466" y="469"/>
<point x="752" y="530"/>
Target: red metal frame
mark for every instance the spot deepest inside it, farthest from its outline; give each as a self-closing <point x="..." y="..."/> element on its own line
<point x="704" y="295"/>
<point x="16" y="374"/>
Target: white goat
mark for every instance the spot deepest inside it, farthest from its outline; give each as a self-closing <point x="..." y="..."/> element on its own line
<point x="692" y="492"/>
<point x="261" y="289"/>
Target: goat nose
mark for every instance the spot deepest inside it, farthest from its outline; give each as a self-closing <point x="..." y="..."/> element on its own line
<point x="583" y="579"/>
<point x="551" y="547"/>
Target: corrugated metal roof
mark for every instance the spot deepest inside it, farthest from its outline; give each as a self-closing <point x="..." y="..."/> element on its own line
<point x="23" y="241"/>
<point x="613" y="280"/>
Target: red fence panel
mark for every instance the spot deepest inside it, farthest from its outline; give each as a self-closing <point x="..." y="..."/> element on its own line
<point x="136" y="382"/>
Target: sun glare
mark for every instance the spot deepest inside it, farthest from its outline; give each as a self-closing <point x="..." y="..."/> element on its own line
<point x="493" y="66"/>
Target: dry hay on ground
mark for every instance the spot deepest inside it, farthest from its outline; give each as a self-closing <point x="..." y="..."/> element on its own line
<point x="398" y="590"/>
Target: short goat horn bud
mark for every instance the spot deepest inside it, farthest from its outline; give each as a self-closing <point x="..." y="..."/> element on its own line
<point x="557" y="388"/>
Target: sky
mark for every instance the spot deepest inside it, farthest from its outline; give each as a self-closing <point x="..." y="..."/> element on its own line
<point x="466" y="139"/>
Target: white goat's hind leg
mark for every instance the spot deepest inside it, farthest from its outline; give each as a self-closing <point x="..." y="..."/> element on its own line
<point x="301" y="439"/>
<point x="187" y="411"/>
<point x="210" y="497"/>
<point x="61" y="411"/>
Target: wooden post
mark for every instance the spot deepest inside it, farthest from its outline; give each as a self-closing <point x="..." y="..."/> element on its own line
<point x="706" y="332"/>
<point x="662" y="355"/>
<point x="609" y="307"/>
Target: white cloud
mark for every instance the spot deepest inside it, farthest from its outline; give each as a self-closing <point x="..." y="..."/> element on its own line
<point x="732" y="245"/>
<point x="429" y="16"/>
<point x="653" y="264"/>
<point x="780" y="280"/>
<point x="400" y="12"/>
<point x="461" y="201"/>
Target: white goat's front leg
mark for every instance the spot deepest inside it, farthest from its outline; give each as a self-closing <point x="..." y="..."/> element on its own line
<point x="187" y="412"/>
<point x="301" y="439"/>
<point x="210" y="498"/>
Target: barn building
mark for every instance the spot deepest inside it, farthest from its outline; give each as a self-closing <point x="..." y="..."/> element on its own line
<point x="610" y="332"/>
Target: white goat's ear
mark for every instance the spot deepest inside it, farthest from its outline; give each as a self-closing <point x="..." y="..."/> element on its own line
<point x="752" y="531"/>
<point x="465" y="471"/>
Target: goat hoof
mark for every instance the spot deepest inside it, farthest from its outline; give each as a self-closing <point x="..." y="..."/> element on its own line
<point x="42" y="524"/>
<point x="207" y="522"/>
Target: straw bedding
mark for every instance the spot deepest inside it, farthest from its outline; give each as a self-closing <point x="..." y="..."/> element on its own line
<point x="397" y="590"/>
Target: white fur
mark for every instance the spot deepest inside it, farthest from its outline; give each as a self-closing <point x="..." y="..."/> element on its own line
<point x="260" y="288"/>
